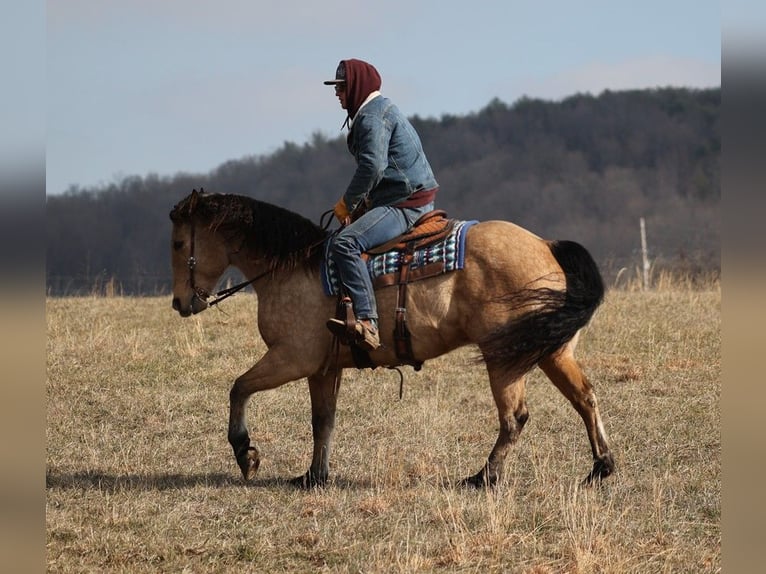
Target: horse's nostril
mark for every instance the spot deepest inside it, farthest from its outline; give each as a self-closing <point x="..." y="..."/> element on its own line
<point x="176" y="303"/>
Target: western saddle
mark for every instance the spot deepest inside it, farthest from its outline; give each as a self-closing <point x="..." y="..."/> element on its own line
<point x="431" y="228"/>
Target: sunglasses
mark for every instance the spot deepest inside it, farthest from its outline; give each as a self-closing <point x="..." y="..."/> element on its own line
<point x="340" y="87"/>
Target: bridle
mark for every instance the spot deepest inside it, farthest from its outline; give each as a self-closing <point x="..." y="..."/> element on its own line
<point x="191" y="263"/>
<point x="202" y="294"/>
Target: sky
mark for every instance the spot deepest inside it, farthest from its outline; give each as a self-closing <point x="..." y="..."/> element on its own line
<point x="138" y="87"/>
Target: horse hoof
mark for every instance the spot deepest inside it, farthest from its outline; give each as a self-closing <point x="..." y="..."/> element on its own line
<point x="471" y="482"/>
<point x="601" y="469"/>
<point x="249" y="463"/>
<point x="478" y="480"/>
<point x="308" y="481"/>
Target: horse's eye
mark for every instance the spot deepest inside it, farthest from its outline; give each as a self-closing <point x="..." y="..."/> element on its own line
<point x="177" y="245"/>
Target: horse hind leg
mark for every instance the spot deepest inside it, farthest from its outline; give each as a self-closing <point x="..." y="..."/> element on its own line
<point x="565" y="373"/>
<point x="510" y="399"/>
<point x="323" y="389"/>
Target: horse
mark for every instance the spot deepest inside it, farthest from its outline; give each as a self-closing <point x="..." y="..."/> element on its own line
<point x="521" y="299"/>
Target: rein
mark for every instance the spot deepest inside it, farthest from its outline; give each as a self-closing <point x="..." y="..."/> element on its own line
<point x="224" y="293"/>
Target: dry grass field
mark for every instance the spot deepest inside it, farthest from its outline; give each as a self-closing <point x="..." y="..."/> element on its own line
<point x="140" y="477"/>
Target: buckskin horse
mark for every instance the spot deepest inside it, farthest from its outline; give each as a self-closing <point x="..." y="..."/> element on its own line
<point x="521" y="299"/>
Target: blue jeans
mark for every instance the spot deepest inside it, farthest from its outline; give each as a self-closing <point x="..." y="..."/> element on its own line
<point x="378" y="225"/>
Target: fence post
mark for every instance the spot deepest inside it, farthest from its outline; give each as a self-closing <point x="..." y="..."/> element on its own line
<point x="644" y="254"/>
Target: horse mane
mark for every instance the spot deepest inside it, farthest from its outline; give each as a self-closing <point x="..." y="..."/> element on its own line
<point x="285" y="239"/>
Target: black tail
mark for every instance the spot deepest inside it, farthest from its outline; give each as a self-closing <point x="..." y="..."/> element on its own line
<point x="556" y="317"/>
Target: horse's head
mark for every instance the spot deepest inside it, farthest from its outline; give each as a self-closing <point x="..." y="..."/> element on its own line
<point x="199" y="255"/>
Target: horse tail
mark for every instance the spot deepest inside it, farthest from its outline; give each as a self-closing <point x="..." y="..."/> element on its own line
<point x="554" y="317"/>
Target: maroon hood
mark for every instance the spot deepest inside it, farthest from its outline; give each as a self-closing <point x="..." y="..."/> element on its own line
<point x="361" y="80"/>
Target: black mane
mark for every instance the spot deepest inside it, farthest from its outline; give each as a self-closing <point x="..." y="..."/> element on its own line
<point x="284" y="238"/>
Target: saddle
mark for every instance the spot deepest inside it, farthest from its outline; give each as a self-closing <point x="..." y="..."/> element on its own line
<point x="430" y="228"/>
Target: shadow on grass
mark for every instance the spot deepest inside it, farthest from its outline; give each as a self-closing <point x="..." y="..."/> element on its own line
<point x="97" y="480"/>
<point x="104" y="481"/>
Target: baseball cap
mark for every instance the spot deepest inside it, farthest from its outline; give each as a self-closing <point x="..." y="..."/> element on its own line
<point x="340" y="75"/>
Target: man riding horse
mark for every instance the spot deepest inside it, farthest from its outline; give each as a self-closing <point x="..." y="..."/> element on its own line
<point x="521" y="299"/>
<point x="393" y="185"/>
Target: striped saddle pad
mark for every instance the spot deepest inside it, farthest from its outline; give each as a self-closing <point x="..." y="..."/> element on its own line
<point x="434" y="259"/>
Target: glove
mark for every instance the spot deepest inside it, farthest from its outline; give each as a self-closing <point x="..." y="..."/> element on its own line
<point x="341" y="212"/>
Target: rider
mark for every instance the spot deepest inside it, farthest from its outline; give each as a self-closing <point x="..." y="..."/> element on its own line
<point x="393" y="185"/>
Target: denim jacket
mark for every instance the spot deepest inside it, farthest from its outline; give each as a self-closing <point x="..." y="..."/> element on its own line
<point x="390" y="162"/>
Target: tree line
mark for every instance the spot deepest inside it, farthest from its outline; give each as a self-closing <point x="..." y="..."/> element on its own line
<point x="585" y="168"/>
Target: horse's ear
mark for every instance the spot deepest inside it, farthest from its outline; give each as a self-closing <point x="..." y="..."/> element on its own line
<point x="175" y="213"/>
<point x="193" y="199"/>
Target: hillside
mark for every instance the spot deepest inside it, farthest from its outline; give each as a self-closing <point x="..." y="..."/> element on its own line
<point x="586" y="168"/>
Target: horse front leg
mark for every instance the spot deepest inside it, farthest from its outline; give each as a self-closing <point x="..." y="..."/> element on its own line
<point x="275" y="368"/>
<point x="562" y="369"/>
<point x="324" y="396"/>
<point x="510" y="399"/>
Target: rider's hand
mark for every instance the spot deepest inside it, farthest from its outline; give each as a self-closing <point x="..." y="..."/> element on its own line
<point x="341" y="212"/>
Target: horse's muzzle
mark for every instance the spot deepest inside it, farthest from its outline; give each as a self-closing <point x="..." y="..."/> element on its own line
<point x="196" y="305"/>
